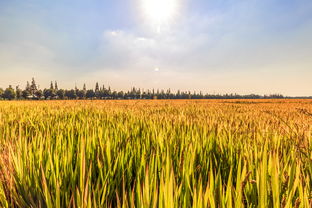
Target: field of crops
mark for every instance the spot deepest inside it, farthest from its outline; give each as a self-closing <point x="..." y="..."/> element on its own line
<point x="184" y="153"/>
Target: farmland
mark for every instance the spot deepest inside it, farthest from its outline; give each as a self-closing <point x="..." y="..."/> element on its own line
<point x="156" y="153"/>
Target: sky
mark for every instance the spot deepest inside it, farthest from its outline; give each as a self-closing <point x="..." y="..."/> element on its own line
<point x="213" y="46"/>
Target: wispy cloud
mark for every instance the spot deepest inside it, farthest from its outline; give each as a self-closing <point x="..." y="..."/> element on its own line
<point x="222" y="46"/>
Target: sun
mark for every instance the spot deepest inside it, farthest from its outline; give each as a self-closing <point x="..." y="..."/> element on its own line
<point x="159" y="11"/>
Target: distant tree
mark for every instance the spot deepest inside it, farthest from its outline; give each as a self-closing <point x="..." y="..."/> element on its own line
<point x="276" y="96"/>
<point x="32" y="91"/>
<point x="53" y="93"/>
<point x="39" y="94"/>
<point x="9" y="93"/>
<point x="104" y="92"/>
<point x="50" y="93"/>
<point x="97" y="92"/>
<point x="67" y="94"/>
<point x="120" y="95"/>
<point x="144" y="95"/>
<point x="109" y="91"/>
<point x="25" y="94"/>
<point x="97" y="87"/>
<point x="51" y="86"/>
<point x="33" y="87"/>
<point x="27" y="86"/>
<point x="27" y="89"/>
<point x="178" y="95"/>
<point x="55" y="86"/>
<point x="47" y="93"/>
<point x="114" y="94"/>
<point x="60" y="93"/>
<point x="1" y="93"/>
<point x="81" y="94"/>
<point x="101" y="93"/>
<point x="90" y="94"/>
<point x="71" y="94"/>
<point x="19" y="93"/>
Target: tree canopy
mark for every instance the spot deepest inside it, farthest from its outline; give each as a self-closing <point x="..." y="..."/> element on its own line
<point x="32" y="91"/>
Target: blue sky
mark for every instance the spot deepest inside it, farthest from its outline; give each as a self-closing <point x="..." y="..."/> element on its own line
<point x="220" y="46"/>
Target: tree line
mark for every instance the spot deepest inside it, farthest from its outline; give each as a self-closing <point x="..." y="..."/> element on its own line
<point x="32" y="92"/>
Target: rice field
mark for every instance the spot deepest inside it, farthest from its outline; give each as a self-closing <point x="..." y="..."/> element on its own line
<point x="149" y="153"/>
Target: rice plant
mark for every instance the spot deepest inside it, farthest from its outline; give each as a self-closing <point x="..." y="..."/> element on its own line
<point x="196" y="153"/>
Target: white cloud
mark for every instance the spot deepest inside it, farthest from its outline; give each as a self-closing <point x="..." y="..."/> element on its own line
<point x="241" y="47"/>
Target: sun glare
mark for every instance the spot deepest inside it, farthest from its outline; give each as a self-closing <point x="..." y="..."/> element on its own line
<point x="159" y="11"/>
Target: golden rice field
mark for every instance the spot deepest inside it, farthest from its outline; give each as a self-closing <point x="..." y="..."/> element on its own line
<point x="184" y="153"/>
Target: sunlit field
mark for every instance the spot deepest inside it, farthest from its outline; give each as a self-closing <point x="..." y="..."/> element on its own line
<point x="184" y="153"/>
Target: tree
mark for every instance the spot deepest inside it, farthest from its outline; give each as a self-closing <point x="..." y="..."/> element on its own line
<point x="51" y="86"/>
<point x="27" y="89"/>
<point x="90" y="94"/>
<point x="71" y="94"/>
<point x="120" y="95"/>
<point x="33" y="87"/>
<point x="81" y="94"/>
<point x="114" y="94"/>
<point x="97" y="87"/>
<point x="1" y="93"/>
<point x="25" y="94"/>
<point x="19" y="93"/>
<point x="53" y="94"/>
<point x="55" y="86"/>
<point x="9" y="93"/>
<point x="109" y="92"/>
<point x="27" y="86"/>
<point x="47" y="93"/>
<point x="39" y="94"/>
<point x="60" y="93"/>
<point x="97" y="90"/>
